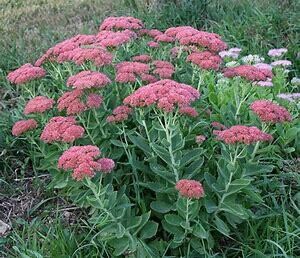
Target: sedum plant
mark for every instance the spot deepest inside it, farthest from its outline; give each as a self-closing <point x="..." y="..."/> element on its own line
<point x="160" y="136"/>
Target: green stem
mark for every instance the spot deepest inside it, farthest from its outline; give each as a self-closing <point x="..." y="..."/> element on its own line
<point x="187" y="221"/>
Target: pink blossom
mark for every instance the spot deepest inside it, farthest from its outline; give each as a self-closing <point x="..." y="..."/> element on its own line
<point x="114" y="39"/>
<point x="263" y="66"/>
<point x="189" y="111"/>
<point x="218" y="126"/>
<point x="189" y="36"/>
<point x="99" y="56"/>
<point x="268" y="111"/>
<point x="283" y="63"/>
<point x="38" y="104"/>
<point x="82" y="161"/>
<point x="23" y="126"/>
<point x="164" y="69"/>
<point x="128" y="71"/>
<point x="26" y="73"/>
<point x="119" y="114"/>
<point x="277" y="52"/>
<point x="205" y="60"/>
<point x="106" y="165"/>
<point x="142" y="58"/>
<point x="88" y="79"/>
<point x="94" y="100"/>
<point x="248" y="72"/>
<point x="242" y="134"/>
<point x="151" y="33"/>
<point x="200" y="139"/>
<point x="61" y="129"/>
<point x="164" y="38"/>
<point x="164" y="93"/>
<point x="290" y="97"/>
<point x="267" y="83"/>
<point x="121" y="23"/>
<point x="190" y="188"/>
<point x="152" y="44"/>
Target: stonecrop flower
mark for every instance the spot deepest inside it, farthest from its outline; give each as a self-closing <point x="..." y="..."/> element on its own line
<point x="26" y="73"/>
<point x="121" y="23"/>
<point x="292" y="97"/>
<point x="218" y="126"/>
<point x="267" y="83"/>
<point x="114" y="39"/>
<point x="190" y="188"/>
<point x="277" y="52"/>
<point x="23" y="126"/>
<point x="252" y="59"/>
<point x="200" y="139"/>
<point x="151" y="33"/>
<point x="97" y="55"/>
<point x="263" y="66"/>
<point x="142" y="58"/>
<point x="72" y="102"/>
<point x="242" y="134"/>
<point x="152" y="44"/>
<point x="283" y="63"/>
<point x="119" y="114"/>
<point x="295" y="81"/>
<point x="269" y="111"/>
<point x="231" y="53"/>
<point x="38" y="104"/>
<point x="163" y="69"/>
<point x="165" y="94"/>
<point x="88" y="79"/>
<point x="248" y="72"/>
<point x="82" y="160"/>
<point x="205" y="60"/>
<point x="188" y="111"/>
<point x="164" y="38"/>
<point x="187" y="35"/>
<point x="61" y="129"/>
<point x="128" y="71"/>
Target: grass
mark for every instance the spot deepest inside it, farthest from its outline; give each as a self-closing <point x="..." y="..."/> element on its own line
<point x="28" y="28"/>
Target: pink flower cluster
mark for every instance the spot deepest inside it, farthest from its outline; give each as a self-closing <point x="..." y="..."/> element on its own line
<point x="121" y="23"/>
<point x="119" y="114"/>
<point x="277" y="52"/>
<point x="231" y="53"/>
<point x="166" y="94"/>
<point x="142" y="58"/>
<point x="26" y="73"/>
<point x="152" y="44"/>
<point x="242" y="134"/>
<point x="283" y="63"/>
<point x="188" y="111"/>
<point x="99" y="56"/>
<point x="218" y="126"/>
<point x="88" y="79"/>
<point x="38" y="104"/>
<point x="72" y="103"/>
<point x="114" y="39"/>
<point x="200" y="139"/>
<point x="270" y="112"/>
<point x="248" y="72"/>
<point x="128" y="71"/>
<point x="23" y="126"/>
<point x="61" y="129"/>
<point x="190" y="188"/>
<point x="205" y="60"/>
<point x="187" y="35"/>
<point x="151" y="33"/>
<point x="163" y="69"/>
<point x="65" y="46"/>
<point x="82" y="161"/>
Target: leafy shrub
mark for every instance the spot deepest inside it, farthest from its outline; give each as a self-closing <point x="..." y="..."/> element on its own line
<point x="185" y="130"/>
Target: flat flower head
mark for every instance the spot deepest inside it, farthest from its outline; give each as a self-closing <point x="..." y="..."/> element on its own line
<point x="190" y="188"/>
<point x="88" y="79"/>
<point x="242" y="134"/>
<point x="119" y="114"/>
<point x="121" y="23"/>
<point x="277" y="52"/>
<point x="142" y="58"/>
<point x="164" y="94"/>
<point x="248" y="72"/>
<point x="26" y="73"/>
<point x="270" y="112"/>
<point x="38" y="104"/>
<point x="82" y="161"/>
<point x="23" y="126"/>
<point x="205" y="60"/>
<point x="61" y="129"/>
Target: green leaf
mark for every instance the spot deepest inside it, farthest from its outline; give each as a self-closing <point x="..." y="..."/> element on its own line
<point x="162" y="153"/>
<point x="120" y="245"/>
<point x="149" y="230"/>
<point x="173" y="219"/>
<point x="221" y="226"/>
<point x="199" y="231"/>
<point x="117" y="143"/>
<point x="141" y="142"/>
<point x="237" y="185"/>
<point x="235" y="209"/>
<point x="160" y="206"/>
<point x="190" y="156"/>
